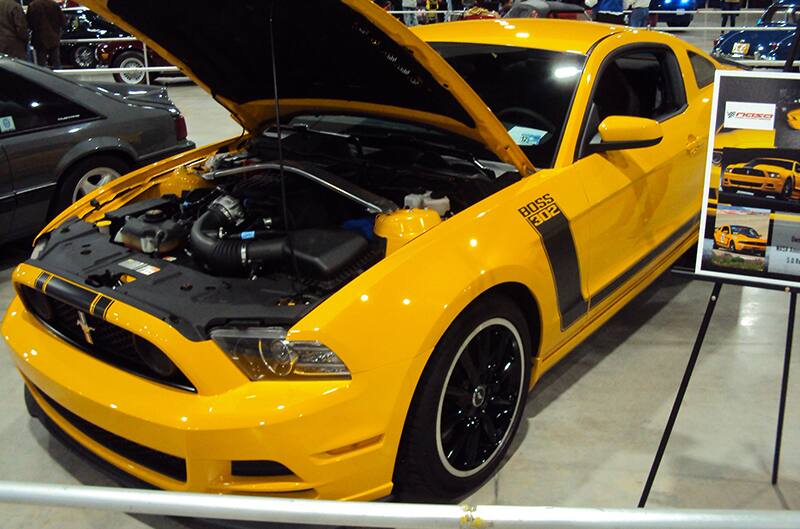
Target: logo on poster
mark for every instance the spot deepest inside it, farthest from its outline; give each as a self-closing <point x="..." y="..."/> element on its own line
<point x="759" y="116"/>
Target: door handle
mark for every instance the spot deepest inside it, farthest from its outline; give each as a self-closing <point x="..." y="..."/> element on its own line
<point x="693" y="145"/>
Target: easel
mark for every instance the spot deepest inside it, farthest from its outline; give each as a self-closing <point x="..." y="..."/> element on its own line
<point x="687" y="375"/>
<point x="701" y="334"/>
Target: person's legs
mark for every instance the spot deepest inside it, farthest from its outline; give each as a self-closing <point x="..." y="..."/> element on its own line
<point x="41" y="56"/>
<point x="639" y="17"/>
<point x="54" y="58"/>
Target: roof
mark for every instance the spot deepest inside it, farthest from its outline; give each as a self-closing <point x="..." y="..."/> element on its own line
<point x="547" y="34"/>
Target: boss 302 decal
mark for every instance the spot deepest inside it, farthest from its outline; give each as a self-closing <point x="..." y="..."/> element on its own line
<point x="544" y="216"/>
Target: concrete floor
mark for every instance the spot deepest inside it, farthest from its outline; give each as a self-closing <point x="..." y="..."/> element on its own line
<point x="591" y="425"/>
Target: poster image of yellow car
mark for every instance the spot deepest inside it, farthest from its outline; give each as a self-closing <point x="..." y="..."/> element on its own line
<point x="776" y="177"/>
<point x="740" y="238"/>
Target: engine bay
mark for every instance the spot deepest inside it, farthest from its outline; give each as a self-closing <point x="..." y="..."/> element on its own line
<point x="271" y="234"/>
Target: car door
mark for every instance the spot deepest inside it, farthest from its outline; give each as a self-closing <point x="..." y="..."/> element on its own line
<point x="7" y="201"/>
<point x="641" y="200"/>
<point x="40" y="127"/>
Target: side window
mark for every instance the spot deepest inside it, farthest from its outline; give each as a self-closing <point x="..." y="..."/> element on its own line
<point x="725" y="229"/>
<point x="703" y="69"/>
<point x="641" y="82"/>
<point x="26" y="106"/>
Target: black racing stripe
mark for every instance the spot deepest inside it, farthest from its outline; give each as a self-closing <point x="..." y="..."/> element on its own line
<point x="41" y="281"/>
<point x="78" y="297"/>
<point x="623" y="278"/>
<point x="559" y="246"/>
<point x="101" y="307"/>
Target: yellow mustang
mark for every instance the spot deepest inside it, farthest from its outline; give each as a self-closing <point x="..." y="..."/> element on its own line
<point x="768" y="176"/>
<point x="356" y="302"/>
<point x="739" y="239"/>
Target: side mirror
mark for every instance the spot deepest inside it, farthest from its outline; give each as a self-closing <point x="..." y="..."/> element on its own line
<point x="626" y="132"/>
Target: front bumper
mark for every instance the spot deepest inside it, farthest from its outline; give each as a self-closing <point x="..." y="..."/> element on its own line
<point x="751" y="247"/>
<point x="753" y="183"/>
<point x="335" y="437"/>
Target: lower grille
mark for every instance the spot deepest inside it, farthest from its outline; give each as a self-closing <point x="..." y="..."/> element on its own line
<point x="745" y="184"/>
<point x="104" y="341"/>
<point x="166" y="464"/>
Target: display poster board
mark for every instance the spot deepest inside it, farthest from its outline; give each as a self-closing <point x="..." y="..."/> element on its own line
<point x="750" y="224"/>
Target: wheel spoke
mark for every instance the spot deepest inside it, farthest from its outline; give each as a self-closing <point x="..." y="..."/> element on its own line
<point x="471" y="449"/>
<point x="489" y="427"/>
<point x="469" y="368"/>
<point x="457" y="447"/>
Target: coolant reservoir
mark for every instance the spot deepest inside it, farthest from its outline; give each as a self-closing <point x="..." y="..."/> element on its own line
<point x="403" y="225"/>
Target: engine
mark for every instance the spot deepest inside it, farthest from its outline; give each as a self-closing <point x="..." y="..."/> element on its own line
<point x="258" y="218"/>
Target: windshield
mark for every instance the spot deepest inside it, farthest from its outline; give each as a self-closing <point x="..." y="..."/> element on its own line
<point x="778" y="16"/>
<point x="746" y="231"/>
<point x="786" y="164"/>
<point x="530" y="91"/>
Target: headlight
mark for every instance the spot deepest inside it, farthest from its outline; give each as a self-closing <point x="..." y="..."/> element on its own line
<point x="774" y="175"/>
<point x="39" y="247"/>
<point x="263" y="353"/>
<point x="716" y="157"/>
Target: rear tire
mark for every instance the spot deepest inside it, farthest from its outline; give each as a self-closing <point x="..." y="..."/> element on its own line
<point x="87" y="175"/>
<point x="468" y="404"/>
<point x="133" y="60"/>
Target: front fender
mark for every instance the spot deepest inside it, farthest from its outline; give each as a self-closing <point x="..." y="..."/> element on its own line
<point x="402" y="306"/>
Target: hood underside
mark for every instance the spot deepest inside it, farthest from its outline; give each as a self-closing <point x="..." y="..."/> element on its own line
<point x="330" y="55"/>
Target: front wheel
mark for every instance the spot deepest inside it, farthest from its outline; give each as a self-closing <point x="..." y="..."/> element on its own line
<point x="788" y="188"/>
<point x="468" y="404"/>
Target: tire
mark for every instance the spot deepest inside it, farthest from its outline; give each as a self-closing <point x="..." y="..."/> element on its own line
<point x="788" y="188"/>
<point x="450" y="445"/>
<point x="130" y="59"/>
<point x="87" y="175"/>
<point x="732" y="246"/>
<point x="83" y="57"/>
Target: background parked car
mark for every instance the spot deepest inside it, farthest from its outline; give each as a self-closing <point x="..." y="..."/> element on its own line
<point x="85" y="24"/>
<point x="130" y="54"/>
<point x="546" y="9"/>
<point x="761" y="45"/>
<point x="59" y="140"/>
<point x="683" y="16"/>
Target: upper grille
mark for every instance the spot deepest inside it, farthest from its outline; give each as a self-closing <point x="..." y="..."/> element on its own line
<point x="104" y="341"/>
<point x="747" y="171"/>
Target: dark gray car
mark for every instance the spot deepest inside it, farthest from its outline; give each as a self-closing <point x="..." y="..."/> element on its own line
<point x="60" y="139"/>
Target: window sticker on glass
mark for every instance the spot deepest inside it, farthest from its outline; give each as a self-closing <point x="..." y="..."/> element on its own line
<point x="525" y="136"/>
<point x="7" y="124"/>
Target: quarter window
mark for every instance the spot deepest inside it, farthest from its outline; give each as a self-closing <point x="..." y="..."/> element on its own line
<point x="703" y="69"/>
<point x="26" y="106"/>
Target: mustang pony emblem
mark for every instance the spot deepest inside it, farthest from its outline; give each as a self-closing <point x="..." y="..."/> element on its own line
<point x="85" y="327"/>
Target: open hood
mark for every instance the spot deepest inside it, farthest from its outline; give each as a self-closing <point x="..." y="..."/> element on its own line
<point x="331" y="56"/>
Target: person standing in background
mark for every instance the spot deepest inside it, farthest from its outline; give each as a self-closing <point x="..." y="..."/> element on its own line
<point x="46" y="22"/>
<point x="608" y="11"/>
<point x="13" y="30"/>
<point x="730" y="5"/>
<point x="640" y="11"/>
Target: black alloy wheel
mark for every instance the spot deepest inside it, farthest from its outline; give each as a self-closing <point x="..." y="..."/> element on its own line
<point x="468" y="404"/>
<point x="480" y="399"/>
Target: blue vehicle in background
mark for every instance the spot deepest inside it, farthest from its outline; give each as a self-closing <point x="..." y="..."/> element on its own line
<point x="684" y="12"/>
<point x="762" y="45"/>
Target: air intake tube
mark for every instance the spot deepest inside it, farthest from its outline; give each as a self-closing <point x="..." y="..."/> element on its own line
<point x="225" y="256"/>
